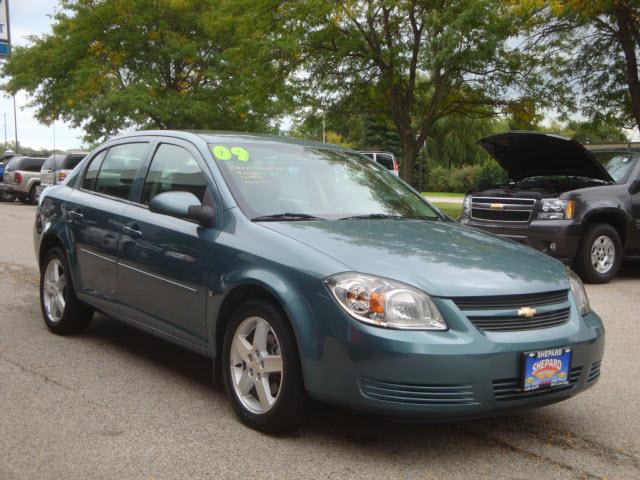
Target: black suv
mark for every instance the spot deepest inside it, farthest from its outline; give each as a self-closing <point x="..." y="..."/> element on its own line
<point x="563" y="201"/>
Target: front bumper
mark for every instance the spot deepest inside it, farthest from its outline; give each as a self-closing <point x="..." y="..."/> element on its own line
<point x="442" y="376"/>
<point x="558" y="238"/>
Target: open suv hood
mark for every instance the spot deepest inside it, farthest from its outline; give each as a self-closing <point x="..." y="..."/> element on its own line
<point x="530" y="154"/>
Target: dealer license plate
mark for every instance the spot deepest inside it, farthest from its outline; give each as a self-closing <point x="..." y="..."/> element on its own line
<point x="546" y="368"/>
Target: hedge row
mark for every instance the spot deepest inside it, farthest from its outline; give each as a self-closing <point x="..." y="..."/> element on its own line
<point x="464" y="178"/>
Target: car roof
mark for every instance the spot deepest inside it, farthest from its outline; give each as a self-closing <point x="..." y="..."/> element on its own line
<point x="226" y="137"/>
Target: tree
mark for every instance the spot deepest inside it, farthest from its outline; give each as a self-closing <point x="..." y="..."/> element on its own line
<point x="425" y="59"/>
<point x="190" y="64"/>
<point x="598" y="42"/>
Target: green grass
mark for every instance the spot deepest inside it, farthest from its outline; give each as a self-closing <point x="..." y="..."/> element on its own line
<point x="443" y="194"/>
<point x="450" y="209"/>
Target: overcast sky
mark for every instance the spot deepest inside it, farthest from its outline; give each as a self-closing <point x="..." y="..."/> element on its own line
<point x="30" y="17"/>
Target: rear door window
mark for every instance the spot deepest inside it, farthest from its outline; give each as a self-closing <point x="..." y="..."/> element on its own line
<point x="72" y="162"/>
<point x="385" y="160"/>
<point x="120" y="168"/>
<point x="174" y="169"/>
<point x="90" y="175"/>
<point x="33" y="164"/>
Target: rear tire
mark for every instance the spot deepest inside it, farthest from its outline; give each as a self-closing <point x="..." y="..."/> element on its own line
<point x="63" y="313"/>
<point x="600" y="254"/>
<point x="263" y="379"/>
<point x="23" y="198"/>
<point x="32" y="196"/>
<point x="7" y="196"/>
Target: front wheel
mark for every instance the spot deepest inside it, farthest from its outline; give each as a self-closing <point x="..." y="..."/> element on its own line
<point x="600" y="254"/>
<point x="63" y="313"/>
<point x="261" y="369"/>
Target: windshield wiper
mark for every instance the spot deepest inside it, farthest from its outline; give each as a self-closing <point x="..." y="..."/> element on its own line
<point x="285" y="217"/>
<point x="385" y="216"/>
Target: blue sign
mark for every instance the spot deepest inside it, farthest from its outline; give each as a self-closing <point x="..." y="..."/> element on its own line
<point x="4" y="48"/>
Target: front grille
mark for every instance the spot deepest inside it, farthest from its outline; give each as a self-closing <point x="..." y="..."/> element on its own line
<point x="594" y="372"/>
<point x="508" y="302"/>
<point x="501" y="216"/>
<point x="444" y="394"/>
<point x="510" y="389"/>
<point x="502" y="313"/>
<point x="502" y="209"/>
<point x="512" y="324"/>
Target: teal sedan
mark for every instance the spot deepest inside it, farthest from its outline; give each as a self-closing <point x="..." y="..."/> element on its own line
<point x="306" y="271"/>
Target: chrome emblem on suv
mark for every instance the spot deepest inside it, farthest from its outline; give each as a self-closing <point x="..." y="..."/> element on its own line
<point x="497" y="206"/>
<point x="527" y="312"/>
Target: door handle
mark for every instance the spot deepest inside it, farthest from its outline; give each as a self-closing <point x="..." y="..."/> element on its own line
<point x="132" y="231"/>
<point x="75" y="215"/>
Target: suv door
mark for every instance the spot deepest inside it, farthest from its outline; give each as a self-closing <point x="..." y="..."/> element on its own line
<point x="634" y="243"/>
<point x="165" y="262"/>
<point x="93" y="218"/>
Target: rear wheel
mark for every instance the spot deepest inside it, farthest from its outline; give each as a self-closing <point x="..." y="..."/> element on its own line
<point x="6" y="196"/>
<point x="32" y="196"/>
<point x="63" y="313"/>
<point x="600" y="254"/>
<point x="261" y="369"/>
<point x="24" y="198"/>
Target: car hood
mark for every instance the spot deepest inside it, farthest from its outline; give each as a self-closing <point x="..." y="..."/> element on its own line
<point x="442" y="258"/>
<point x="530" y="154"/>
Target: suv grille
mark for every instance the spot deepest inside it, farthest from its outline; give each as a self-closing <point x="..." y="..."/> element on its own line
<point x="503" y="312"/>
<point x="501" y="209"/>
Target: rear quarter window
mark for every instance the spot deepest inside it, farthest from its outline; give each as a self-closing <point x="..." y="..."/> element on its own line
<point x="385" y="160"/>
<point x="72" y="162"/>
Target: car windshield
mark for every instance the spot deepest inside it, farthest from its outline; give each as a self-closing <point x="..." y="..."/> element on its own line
<point x="303" y="182"/>
<point x="620" y="166"/>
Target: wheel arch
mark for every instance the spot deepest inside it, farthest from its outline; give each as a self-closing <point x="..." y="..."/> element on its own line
<point x="611" y="216"/>
<point x="286" y="297"/>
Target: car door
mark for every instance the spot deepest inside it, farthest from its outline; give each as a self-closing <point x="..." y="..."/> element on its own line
<point x="164" y="262"/>
<point x="634" y="242"/>
<point x="93" y="215"/>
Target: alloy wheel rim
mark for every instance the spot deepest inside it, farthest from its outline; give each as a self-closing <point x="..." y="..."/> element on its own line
<point x="54" y="290"/>
<point x="603" y="254"/>
<point x="256" y="365"/>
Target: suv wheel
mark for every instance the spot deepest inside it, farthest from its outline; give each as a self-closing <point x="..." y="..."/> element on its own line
<point x="63" y="313"/>
<point x="261" y="369"/>
<point x="23" y="198"/>
<point x="7" y="196"/>
<point x="32" y="196"/>
<point x="600" y="254"/>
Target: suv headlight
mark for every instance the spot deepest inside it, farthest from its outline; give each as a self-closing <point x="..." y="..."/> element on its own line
<point x="466" y="207"/>
<point x="580" y="294"/>
<point x="385" y="303"/>
<point x="555" y="209"/>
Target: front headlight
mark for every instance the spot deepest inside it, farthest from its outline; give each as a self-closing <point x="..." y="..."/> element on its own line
<point x="466" y="207"/>
<point x="555" y="209"/>
<point x="580" y="294"/>
<point x="385" y="303"/>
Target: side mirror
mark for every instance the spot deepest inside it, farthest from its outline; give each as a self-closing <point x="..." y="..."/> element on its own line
<point x="634" y="187"/>
<point x="183" y="205"/>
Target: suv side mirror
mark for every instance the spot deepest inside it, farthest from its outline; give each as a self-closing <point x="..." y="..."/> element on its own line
<point x="183" y="205"/>
<point x="634" y="187"/>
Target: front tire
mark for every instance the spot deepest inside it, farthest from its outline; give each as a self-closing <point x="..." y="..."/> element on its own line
<point x="63" y="313"/>
<point x="261" y="369"/>
<point x="599" y="254"/>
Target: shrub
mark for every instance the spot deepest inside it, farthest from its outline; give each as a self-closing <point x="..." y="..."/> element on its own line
<point x="491" y="174"/>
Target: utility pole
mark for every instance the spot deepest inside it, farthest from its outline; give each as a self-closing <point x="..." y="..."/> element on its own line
<point x="4" y="114"/>
<point x="324" y="135"/>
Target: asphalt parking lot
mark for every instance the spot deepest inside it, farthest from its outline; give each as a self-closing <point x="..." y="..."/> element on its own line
<point x="117" y="403"/>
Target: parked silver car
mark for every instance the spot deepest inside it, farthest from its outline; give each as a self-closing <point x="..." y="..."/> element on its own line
<point x="56" y="168"/>
<point x="22" y="177"/>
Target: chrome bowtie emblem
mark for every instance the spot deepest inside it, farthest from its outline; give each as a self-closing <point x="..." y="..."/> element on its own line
<point x="526" y="312"/>
<point x="497" y="206"/>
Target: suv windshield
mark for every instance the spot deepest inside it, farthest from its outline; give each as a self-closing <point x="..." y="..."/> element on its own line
<point x="620" y="166"/>
<point x="295" y="182"/>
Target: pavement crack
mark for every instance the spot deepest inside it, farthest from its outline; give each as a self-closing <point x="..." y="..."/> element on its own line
<point x="487" y="437"/>
<point x="38" y="374"/>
